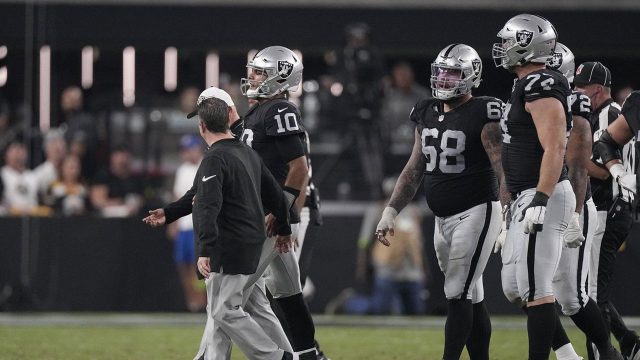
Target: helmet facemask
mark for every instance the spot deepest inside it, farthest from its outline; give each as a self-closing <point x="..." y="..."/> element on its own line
<point x="448" y="82"/>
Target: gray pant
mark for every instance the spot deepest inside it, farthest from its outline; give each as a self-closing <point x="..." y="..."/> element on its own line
<point x="463" y="243"/>
<point x="282" y="273"/>
<point x="530" y="261"/>
<point x="258" y="306"/>
<point x="570" y="280"/>
<point x="226" y="294"/>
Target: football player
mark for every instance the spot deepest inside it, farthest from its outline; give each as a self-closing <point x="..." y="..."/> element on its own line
<point x="273" y="128"/>
<point x="570" y="281"/>
<point x="457" y="151"/>
<point x="534" y="124"/>
<point x="619" y="133"/>
<point x="612" y="200"/>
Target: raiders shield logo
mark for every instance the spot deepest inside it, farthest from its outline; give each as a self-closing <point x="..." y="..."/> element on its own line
<point x="523" y="37"/>
<point x="555" y="61"/>
<point x="476" y="65"/>
<point x="284" y="68"/>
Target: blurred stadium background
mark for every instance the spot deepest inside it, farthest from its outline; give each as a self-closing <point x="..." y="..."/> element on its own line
<point x="106" y="73"/>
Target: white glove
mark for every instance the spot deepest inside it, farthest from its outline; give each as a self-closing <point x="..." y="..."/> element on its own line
<point x="533" y="214"/>
<point x="626" y="180"/>
<point x="386" y="225"/>
<point x="573" y="237"/>
<point x="506" y="219"/>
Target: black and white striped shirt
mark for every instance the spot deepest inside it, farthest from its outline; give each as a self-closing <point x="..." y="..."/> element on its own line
<point x="605" y="191"/>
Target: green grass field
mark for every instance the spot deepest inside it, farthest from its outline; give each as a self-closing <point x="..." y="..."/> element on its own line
<point x="117" y="342"/>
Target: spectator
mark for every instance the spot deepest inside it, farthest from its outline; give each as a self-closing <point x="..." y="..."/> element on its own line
<point x="78" y="124"/>
<point x="399" y="99"/>
<point x="20" y="184"/>
<point x="184" y="252"/>
<point x="115" y="191"/>
<point x="68" y="195"/>
<point x="398" y="274"/>
<point x="55" y="150"/>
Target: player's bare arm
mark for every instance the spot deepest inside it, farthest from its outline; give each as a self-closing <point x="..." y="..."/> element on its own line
<point x="549" y="119"/>
<point x="410" y="178"/>
<point x="597" y="171"/>
<point x="298" y="178"/>
<point x="578" y="156"/>
<point x="492" y="141"/>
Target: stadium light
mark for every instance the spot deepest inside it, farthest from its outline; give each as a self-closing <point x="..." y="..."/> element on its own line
<point x="45" y="88"/>
<point x="129" y="76"/>
<point x="87" y="67"/>
<point x="212" y="77"/>
<point x="170" y="68"/>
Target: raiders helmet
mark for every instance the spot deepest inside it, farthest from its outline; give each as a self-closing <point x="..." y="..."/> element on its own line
<point x="524" y="38"/>
<point x="464" y="71"/>
<point x="282" y="67"/>
<point x="564" y="61"/>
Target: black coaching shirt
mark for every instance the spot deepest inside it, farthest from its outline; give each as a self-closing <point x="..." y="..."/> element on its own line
<point x="458" y="175"/>
<point x="231" y="185"/>
<point x="521" y="148"/>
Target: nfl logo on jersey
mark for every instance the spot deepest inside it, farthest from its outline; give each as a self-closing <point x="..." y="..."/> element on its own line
<point x="284" y="69"/>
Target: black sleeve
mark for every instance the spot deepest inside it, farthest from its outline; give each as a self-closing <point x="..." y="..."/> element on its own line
<point x="495" y="107"/>
<point x="540" y="85"/>
<point x="208" y="204"/>
<point x="631" y="111"/>
<point x="282" y="119"/>
<point x="290" y="147"/>
<point x="274" y="201"/>
<point x="581" y="105"/>
<point x="181" y="207"/>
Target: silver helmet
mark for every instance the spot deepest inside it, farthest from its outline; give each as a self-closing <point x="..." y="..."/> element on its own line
<point x="564" y="61"/>
<point x="455" y="71"/>
<point x="283" y="70"/>
<point x="524" y="38"/>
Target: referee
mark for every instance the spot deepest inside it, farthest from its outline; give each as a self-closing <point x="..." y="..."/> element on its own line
<point x="231" y="186"/>
<point x="612" y="200"/>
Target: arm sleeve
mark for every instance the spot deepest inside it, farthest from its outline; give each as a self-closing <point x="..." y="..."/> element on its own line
<point x="208" y="205"/>
<point x="631" y="111"/>
<point x="274" y="201"/>
<point x="181" y="207"/>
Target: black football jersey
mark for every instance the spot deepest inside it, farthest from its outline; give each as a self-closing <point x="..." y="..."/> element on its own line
<point x="631" y="111"/>
<point x="521" y="149"/>
<point x="458" y="175"/>
<point x="581" y="106"/>
<point x="264" y="123"/>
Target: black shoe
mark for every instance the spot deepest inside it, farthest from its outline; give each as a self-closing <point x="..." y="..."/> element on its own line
<point x="287" y="356"/>
<point x="307" y="356"/>
<point x="611" y="354"/>
<point x="321" y="355"/>
<point x="634" y="354"/>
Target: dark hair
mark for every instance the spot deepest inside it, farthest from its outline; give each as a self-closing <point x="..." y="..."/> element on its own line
<point x="214" y="113"/>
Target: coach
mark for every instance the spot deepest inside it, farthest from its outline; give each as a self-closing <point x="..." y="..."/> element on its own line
<point x="231" y="186"/>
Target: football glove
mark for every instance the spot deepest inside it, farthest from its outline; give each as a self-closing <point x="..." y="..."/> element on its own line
<point x="573" y="237"/>
<point x="533" y="214"/>
<point x="506" y="219"/>
<point x="386" y="225"/>
<point x="626" y="180"/>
